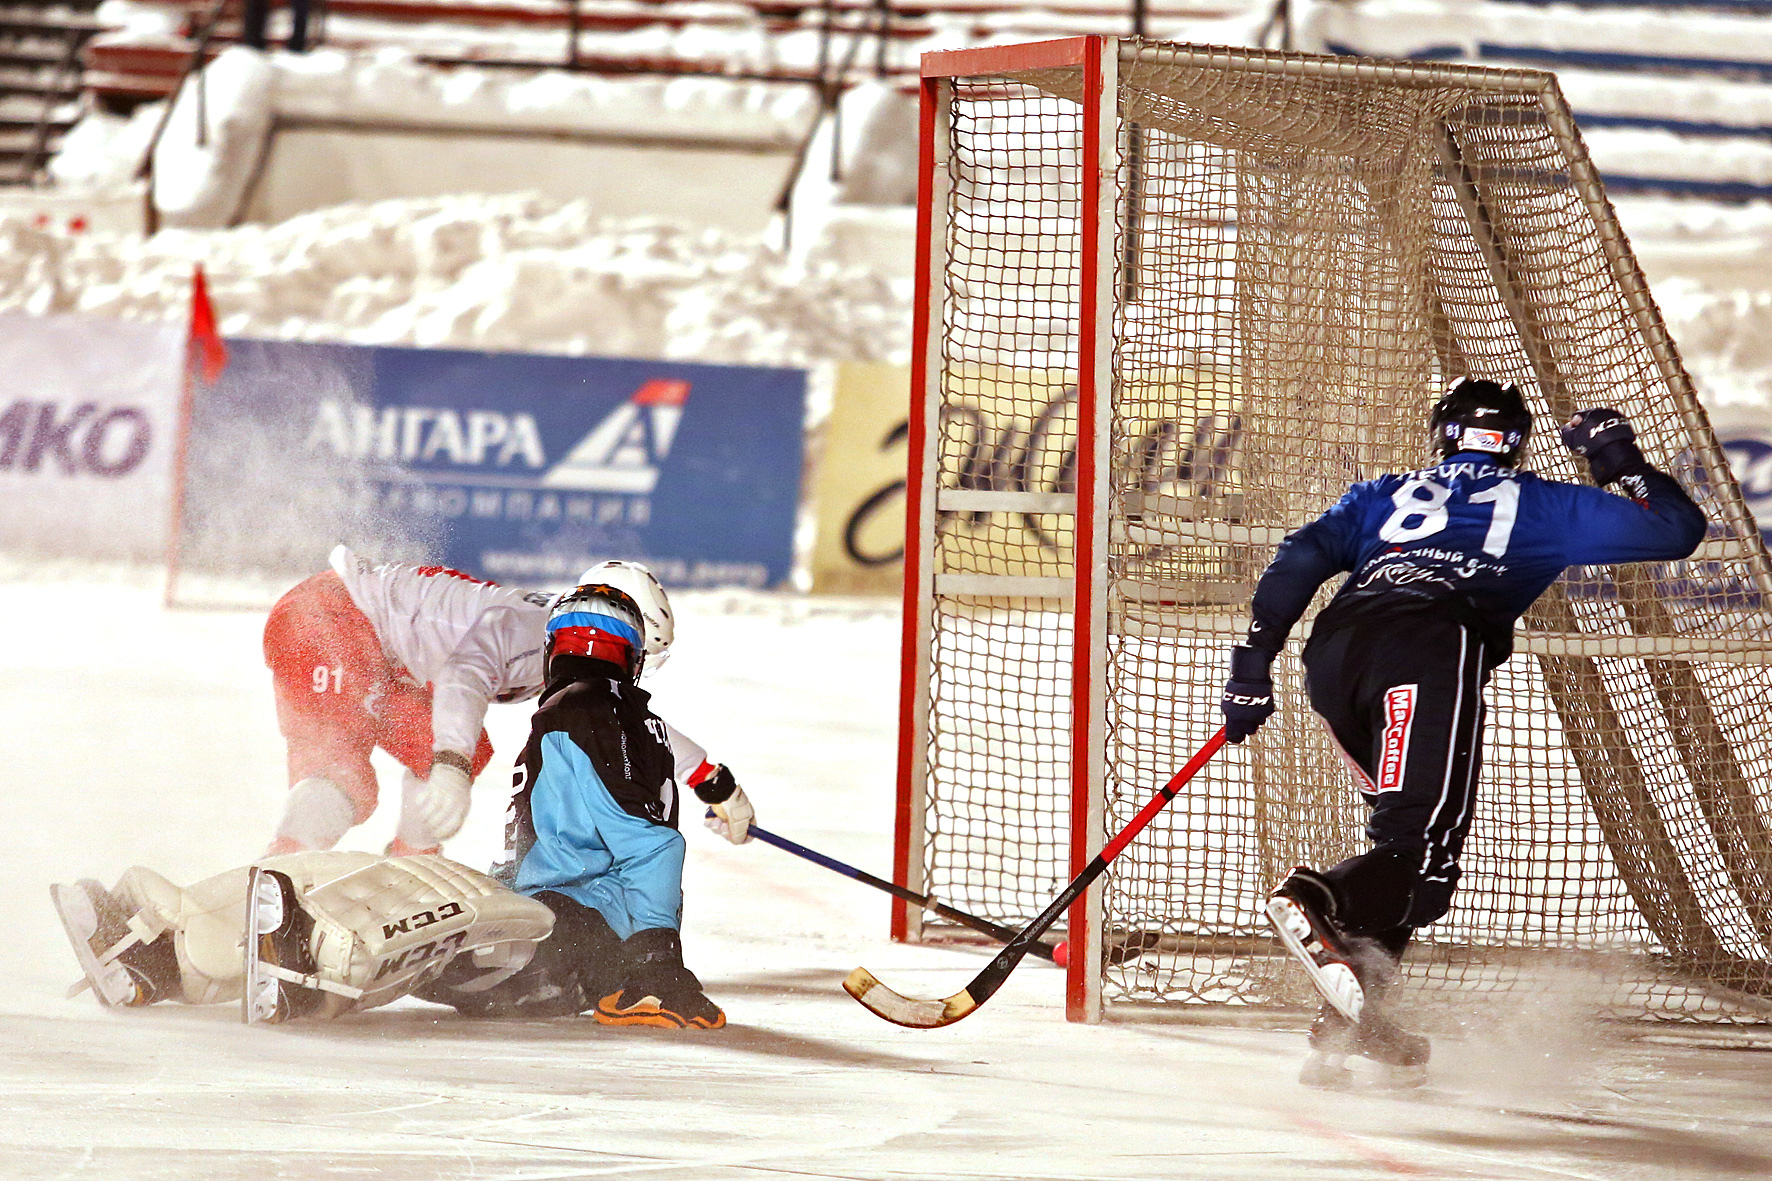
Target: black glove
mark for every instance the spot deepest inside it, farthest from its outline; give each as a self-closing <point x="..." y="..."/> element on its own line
<point x="1605" y="438"/>
<point x="1248" y="698"/>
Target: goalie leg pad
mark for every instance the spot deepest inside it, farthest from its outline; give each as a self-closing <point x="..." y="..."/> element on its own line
<point x="381" y="928"/>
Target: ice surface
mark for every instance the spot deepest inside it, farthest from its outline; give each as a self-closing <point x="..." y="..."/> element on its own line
<point x="136" y="735"/>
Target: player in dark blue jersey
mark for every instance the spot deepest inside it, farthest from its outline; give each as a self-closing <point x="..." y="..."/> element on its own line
<point x="1441" y="563"/>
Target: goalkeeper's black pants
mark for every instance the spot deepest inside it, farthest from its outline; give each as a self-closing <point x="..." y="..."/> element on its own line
<point x="1403" y="697"/>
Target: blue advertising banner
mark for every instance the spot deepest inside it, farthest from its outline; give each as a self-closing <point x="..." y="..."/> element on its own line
<point x="514" y="467"/>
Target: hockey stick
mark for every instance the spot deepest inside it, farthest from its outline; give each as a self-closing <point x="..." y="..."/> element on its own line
<point x="920" y="1014"/>
<point x="984" y="926"/>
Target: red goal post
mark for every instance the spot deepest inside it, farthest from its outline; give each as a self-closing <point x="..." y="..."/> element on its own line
<point x="1171" y="300"/>
<point x="1095" y="57"/>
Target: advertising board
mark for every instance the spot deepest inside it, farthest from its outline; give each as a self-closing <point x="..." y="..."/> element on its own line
<point x="86" y="427"/>
<point x="514" y="467"/>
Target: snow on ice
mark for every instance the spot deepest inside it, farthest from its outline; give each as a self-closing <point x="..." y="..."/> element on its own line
<point x="139" y="735"/>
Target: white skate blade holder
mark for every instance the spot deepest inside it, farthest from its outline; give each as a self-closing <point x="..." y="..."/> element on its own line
<point x="261" y="1000"/>
<point x="1334" y="979"/>
<point x="110" y="985"/>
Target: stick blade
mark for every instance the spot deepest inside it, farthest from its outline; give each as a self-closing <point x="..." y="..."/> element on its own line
<point x="891" y="1006"/>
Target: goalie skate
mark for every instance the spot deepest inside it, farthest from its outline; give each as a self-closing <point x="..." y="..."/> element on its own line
<point x="100" y="934"/>
<point x="281" y="979"/>
<point x="1299" y="912"/>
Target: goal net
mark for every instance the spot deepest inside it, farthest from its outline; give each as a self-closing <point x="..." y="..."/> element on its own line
<point x="1173" y="300"/>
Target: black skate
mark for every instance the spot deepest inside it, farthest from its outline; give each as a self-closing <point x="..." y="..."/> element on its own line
<point x="281" y="975"/>
<point x="657" y="989"/>
<point x="97" y="923"/>
<point x="1302" y="912"/>
<point x="1376" y="1054"/>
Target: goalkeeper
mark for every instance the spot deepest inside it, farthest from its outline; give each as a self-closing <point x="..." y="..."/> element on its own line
<point x="1441" y="564"/>
<point x="327" y="933"/>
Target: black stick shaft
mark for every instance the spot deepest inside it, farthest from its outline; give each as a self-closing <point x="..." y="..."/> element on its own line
<point x="983" y="926"/>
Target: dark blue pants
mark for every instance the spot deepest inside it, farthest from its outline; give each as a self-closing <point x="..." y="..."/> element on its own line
<point x="1403" y="697"/>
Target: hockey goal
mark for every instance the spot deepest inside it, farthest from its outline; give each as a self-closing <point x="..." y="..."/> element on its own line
<point x="1172" y="301"/>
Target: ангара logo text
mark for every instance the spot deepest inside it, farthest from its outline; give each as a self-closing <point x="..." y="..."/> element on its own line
<point x="621" y="454"/>
<point x="425" y="434"/>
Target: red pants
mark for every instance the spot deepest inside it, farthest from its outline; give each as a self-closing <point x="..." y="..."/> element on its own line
<point x="339" y="696"/>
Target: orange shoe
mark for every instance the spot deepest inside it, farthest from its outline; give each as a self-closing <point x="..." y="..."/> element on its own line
<point x="625" y="1008"/>
<point x="658" y="990"/>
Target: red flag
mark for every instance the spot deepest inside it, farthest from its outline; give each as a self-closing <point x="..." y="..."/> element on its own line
<point x="205" y="354"/>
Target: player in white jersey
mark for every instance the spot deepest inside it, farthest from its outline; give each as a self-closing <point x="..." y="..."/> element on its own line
<point x="402" y="657"/>
<point x="589" y="923"/>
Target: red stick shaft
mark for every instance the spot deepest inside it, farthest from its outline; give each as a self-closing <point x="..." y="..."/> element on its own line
<point x="1162" y="798"/>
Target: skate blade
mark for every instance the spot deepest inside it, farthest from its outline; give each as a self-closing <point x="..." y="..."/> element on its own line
<point x="1368" y="1075"/>
<point x="1326" y="1072"/>
<point x="1334" y="981"/>
<point x="261" y="1000"/>
<point x="109" y="981"/>
<point x="1352" y="1073"/>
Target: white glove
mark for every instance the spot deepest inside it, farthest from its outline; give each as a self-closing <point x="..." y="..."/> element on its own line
<point x="442" y="805"/>
<point x="731" y="817"/>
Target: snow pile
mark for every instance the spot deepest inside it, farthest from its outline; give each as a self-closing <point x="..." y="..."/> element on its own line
<point x="512" y="272"/>
<point x="1725" y="338"/>
<point x="389" y="85"/>
<point x="202" y="174"/>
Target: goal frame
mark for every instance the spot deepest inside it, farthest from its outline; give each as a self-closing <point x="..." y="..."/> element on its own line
<point x="1099" y="59"/>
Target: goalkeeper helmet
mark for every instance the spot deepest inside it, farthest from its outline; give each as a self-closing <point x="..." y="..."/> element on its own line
<point x="1477" y="414"/>
<point x="600" y="622"/>
<point x="638" y="583"/>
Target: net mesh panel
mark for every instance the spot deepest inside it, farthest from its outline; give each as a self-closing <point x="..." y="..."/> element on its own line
<point x="1303" y="262"/>
<point x="998" y="803"/>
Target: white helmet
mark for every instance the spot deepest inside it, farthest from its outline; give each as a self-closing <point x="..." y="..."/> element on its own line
<point x="638" y="583"/>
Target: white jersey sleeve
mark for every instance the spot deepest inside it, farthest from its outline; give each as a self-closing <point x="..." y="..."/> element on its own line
<point x="692" y="765"/>
<point x="473" y="642"/>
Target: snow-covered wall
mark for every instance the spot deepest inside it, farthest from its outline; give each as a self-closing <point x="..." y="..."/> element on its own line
<point x="283" y="134"/>
<point x="513" y="272"/>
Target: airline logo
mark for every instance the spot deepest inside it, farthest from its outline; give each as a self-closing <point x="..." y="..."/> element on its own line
<point x="1399" y="719"/>
<point x="624" y="452"/>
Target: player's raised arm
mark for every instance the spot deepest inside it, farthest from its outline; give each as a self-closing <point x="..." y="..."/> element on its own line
<point x="1657" y="523"/>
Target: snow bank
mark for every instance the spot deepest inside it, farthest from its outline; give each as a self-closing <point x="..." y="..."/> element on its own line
<point x="388" y="85"/>
<point x="204" y="178"/>
<point x="205" y="160"/>
<point x="513" y="272"/>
